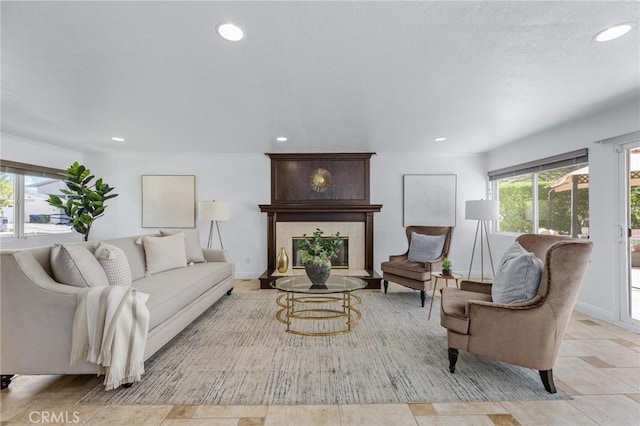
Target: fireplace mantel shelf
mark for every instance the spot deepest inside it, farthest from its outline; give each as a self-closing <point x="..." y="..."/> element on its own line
<point x="320" y="208"/>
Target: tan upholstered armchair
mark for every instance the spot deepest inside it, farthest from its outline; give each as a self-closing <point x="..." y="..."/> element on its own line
<point x="417" y="275"/>
<point x="529" y="333"/>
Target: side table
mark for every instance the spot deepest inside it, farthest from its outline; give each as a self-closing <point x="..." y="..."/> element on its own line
<point x="446" y="278"/>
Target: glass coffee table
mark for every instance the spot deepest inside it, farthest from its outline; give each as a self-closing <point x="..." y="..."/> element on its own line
<point x="304" y="301"/>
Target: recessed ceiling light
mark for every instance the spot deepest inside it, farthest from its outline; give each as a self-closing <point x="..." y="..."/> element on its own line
<point x="281" y="139"/>
<point x="440" y="139"/>
<point x="613" y="32"/>
<point x="231" y="32"/>
<point x="117" y="139"/>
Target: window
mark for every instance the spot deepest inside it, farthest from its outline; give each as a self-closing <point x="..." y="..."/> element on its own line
<point x="24" y="210"/>
<point x="549" y="196"/>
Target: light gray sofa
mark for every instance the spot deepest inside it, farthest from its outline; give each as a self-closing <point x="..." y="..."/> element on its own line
<point x="37" y="312"/>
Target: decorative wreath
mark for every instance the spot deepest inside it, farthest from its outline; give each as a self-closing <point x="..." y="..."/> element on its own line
<point x="320" y="180"/>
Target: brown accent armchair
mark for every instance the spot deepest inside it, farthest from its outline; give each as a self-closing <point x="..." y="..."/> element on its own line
<point x="416" y="275"/>
<point x="527" y="334"/>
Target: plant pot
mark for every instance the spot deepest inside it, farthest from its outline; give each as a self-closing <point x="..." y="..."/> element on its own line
<point x="446" y="272"/>
<point x="318" y="274"/>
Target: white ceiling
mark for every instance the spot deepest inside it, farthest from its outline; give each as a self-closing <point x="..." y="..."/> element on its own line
<point x="332" y="76"/>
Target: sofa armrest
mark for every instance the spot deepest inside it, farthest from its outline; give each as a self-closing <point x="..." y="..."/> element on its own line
<point x="215" y="255"/>
<point x="475" y="286"/>
<point x="37" y="317"/>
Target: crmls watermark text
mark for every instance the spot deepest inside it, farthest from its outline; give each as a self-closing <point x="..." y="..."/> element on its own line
<point x="54" y="417"/>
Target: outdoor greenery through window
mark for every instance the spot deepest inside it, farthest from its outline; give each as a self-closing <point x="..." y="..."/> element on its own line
<point x="551" y="199"/>
<point x="24" y="210"/>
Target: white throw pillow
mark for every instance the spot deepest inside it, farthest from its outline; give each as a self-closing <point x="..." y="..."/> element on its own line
<point x="164" y="253"/>
<point x="115" y="264"/>
<point x="518" y="276"/>
<point x="425" y="248"/>
<point x="191" y="243"/>
<point x="75" y="265"/>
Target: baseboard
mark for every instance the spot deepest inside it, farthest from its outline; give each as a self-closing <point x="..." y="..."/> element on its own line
<point x="594" y="311"/>
<point x="247" y="275"/>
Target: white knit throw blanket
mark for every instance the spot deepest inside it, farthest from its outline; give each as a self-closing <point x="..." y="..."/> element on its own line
<point x="110" y="329"/>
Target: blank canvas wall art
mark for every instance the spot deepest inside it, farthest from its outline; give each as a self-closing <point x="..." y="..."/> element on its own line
<point x="168" y="201"/>
<point x="429" y="200"/>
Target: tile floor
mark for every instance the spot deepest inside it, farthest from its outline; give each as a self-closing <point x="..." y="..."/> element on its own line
<point x="598" y="364"/>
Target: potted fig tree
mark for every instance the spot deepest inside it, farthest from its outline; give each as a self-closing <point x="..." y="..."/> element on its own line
<point x="85" y="198"/>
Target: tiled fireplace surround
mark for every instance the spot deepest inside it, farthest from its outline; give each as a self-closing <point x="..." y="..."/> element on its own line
<point x="286" y="231"/>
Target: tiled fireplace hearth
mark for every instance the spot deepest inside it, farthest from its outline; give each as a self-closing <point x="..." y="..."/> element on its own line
<point x="329" y="191"/>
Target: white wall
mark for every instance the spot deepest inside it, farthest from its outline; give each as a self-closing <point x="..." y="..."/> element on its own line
<point x="241" y="180"/>
<point x="28" y="151"/>
<point x="387" y="170"/>
<point x="244" y="182"/>
<point x="599" y="294"/>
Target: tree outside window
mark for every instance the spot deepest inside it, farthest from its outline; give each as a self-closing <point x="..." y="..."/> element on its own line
<point x="554" y="207"/>
<point x="6" y="192"/>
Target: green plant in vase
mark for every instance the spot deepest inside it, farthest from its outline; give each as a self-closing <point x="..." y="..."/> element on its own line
<point x="446" y="267"/>
<point x="316" y="253"/>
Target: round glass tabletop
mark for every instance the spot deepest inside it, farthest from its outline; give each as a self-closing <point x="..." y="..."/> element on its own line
<point x="302" y="284"/>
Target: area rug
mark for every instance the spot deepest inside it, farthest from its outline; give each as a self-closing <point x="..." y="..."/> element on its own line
<point x="237" y="353"/>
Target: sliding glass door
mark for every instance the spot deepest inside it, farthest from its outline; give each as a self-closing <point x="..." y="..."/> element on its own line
<point x="629" y="186"/>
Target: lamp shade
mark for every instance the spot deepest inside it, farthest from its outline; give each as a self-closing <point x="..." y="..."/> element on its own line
<point x="482" y="210"/>
<point x="213" y="210"/>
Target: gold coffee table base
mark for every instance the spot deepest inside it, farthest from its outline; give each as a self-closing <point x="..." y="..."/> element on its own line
<point x="290" y="303"/>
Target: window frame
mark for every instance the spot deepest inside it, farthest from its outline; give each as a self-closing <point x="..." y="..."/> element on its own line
<point x="572" y="158"/>
<point x="19" y="171"/>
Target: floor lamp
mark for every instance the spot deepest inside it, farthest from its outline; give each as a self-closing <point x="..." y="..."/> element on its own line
<point x="213" y="211"/>
<point x="482" y="211"/>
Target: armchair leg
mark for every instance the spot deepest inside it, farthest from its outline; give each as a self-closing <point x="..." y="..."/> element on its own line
<point x="453" y="358"/>
<point x="423" y="296"/>
<point x="547" y="380"/>
<point x="385" y="283"/>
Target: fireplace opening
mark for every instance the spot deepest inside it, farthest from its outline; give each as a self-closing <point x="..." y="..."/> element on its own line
<point x="341" y="261"/>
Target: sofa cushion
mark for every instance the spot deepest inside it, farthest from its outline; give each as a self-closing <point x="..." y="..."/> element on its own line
<point x="164" y="253"/>
<point x="115" y="264"/>
<point x="425" y="248"/>
<point x="518" y="276"/>
<point x="173" y="290"/>
<point x="191" y="244"/>
<point x="76" y="265"/>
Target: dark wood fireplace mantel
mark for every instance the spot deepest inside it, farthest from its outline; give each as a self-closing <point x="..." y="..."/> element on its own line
<point x="346" y="200"/>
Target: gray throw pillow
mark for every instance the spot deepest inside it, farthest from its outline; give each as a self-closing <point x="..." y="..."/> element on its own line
<point x="518" y="276"/>
<point x="425" y="248"/>
<point x="75" y="265"/>
<point x="191" y="244"/>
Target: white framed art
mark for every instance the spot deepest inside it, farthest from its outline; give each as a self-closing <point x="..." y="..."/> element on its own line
<point x="429" y="200"/>
<point x="168" y="201"/>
